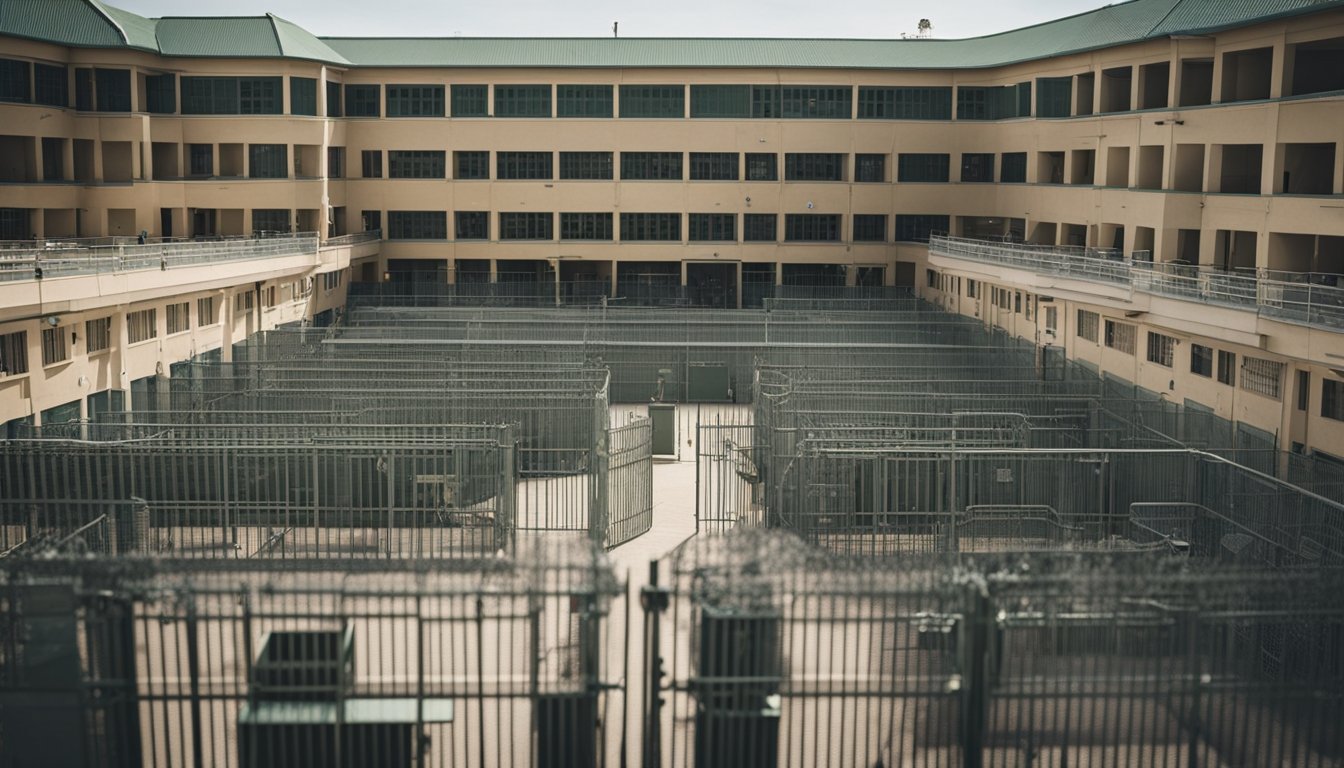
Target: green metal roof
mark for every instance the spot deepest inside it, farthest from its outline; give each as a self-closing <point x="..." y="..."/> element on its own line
<point x="91" y="23"/>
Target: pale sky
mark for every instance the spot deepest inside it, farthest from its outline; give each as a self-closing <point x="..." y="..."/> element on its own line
<point x="638" y="18"/>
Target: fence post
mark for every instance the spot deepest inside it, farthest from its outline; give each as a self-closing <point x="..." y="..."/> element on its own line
<point x="654" y="600"/>
<point x="974" y="649"/>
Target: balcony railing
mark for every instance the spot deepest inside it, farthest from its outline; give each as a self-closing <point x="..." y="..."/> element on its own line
<point x="68" y="258"/>
<point x="1314" y="299"/>
<point x="356" y="238"/>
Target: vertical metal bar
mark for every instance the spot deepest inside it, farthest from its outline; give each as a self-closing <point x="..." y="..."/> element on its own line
<point x="193" y="671"/>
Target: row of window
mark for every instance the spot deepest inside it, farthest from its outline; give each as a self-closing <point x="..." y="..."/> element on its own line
<point x="673" y="166"/>
<point x="700" y="227"/>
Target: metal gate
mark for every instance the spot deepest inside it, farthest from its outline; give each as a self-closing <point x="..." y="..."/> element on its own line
<point x="628" y="483"/>
<point x="729" y="478"/>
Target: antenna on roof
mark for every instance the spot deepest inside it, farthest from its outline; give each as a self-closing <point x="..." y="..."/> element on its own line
<point x="615" y="27"/>
<point x="925" y="28"/>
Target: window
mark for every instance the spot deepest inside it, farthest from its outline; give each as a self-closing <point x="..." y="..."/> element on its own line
<point x="1120" y="336"/>
<point x="1332" y="399"/>
<point x="1227" y="368"/>
<point x="362" y="101"/>
<point x="922" y="167"/>
<point x="870" y="168"/>
<point x="759" y="227"/>
<point x="765" y="101"/>
<point x="972" y="289"/>
<point x="651" y="226"/>
<point x="713" y="227"/>
<point x="870" y="228"/>
<point x="54" y="346"/>
<point x="714" y="166"/>
<point x="205" y="311"/>
<point x="1161" y="349"/>
<point x="371" y="163"/>
<point x="931" y="278"/>
<point x="14" y="353"/>
<point x="720" y="101"/>
<point x="1264" y="377"/>
<point x="84" y="90"/>
<point x="416" y="164"/>
<point x="161" y="94"/>
<point x="522" y="101"/>
<point x="809" y="166"/>
<point x="977" y="167"/>
<point x="1201" y="360"/>
<point x="1051" y="318"/>
<point x="651" y="166"/>
<point x="201" y="159"/>
<point x="762" y="167"/>
<point x="179" y="318"/>
<point x="523" y="165"/>
<point x="51" y="85"/>
<point x="417" y="225"/>
<point x="1054" y="96"/>
<point x="14" y="84"/>
<point x="471" y="101"/>
<point x="1014" y="169"/>
<point x="816" y="102"/>
<point x="302" y="96"/>
<point x="415" y="101"/>
<point x="811" y="227"/>
<point x="231" y="95"/>
<point x="1087" y="325"/>
<point x="98" y="334"/>
<point x="525" y="226"/>
<point x="656" y="101"/>
<point x="585" y="226"/>
<point x="583" y="100"/>
<point x="142" y="325"/>
<point x="335" y="162"/>
<point x="586" y="165"/>
<point x="112" y="89"/>
<point x="268" y="161"/>
<point x="994" y="103"/>
<point x="270" y="220"/>
<point x="909" y="103"/>
<point x="333" y="99"/>
<point x="332" y="280"/>
<point x="471" y="225"/>
<point x="371" y="220"/>
<point x="1303" y="390"/>
<point x="916" y="228"/>
<point x="243" y="302"/>
<point x="471" y="165"/>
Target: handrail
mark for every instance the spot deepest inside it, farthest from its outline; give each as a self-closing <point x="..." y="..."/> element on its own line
<point x="55" y="260"/>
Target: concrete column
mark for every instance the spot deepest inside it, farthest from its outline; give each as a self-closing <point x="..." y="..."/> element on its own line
<point x="1271" y="159"/>
<point x="121" y="340"/>
<point x="322" y="96"/>
<point x="68" y="159"/>
<point x="1339" y="168"/>
<point x="614" y="263"/>
<point x="1213" y="166"/>
<point x="1216" y="96"/>
<point x="39" y="166"/>
<point x="1281" y="70"/>
<point x="97" y="161"/>
<point x="136" y="106"/>
<point x="1173" y="78"/>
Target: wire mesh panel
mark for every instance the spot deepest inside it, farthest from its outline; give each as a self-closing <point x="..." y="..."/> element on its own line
<point x="629" y="482"/>
<point x="730" y="481"/>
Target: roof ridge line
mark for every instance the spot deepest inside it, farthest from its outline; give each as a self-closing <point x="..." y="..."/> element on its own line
<point x="101" y="11"/>
<point x="275" y="32"/>
<point x="1165" y="16"/>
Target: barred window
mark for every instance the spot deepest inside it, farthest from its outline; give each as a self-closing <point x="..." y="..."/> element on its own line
<point x="231" y="95"/>
<point x="361" y="100"/>
<point x="922" y="167"/>
<point x="760" y="227"/>
<point x="332" y="280"/>
<point x="14" y="81"/>
<point x="371" y="162"/>
<point x="993" y="103"/>
<point x="525" y="226"/>
<point x="1227" y="367"/>
<point x="51" y="85"/>
<point x="870" y="168"/>
<point x="1264" y="377"/>
<point x="814" y="166"/>
<point x="417" y="225"/>
<point x="335" y="162"/>
<point x="205" y="311"/>
<point x="161" y="94"/>
<point x="651" y="166"/>
<point x="870" y="228"/>
<point x="179" y="318"/>
<point x="243" y="302"/>
<point x="471" y="165"/>
<point x="1088" y="322"/>
<point x="259" y="95"/>
<point x="416" y="164"/>
<point x="720" y="101"/>
<point x="1161" y="349"/>
<point x="1332" y="399"/>
<point x="1014" y="168"/>
<point x="302" y="96"/>
<point x="14" y="353"/>
<point x="908" y="103"/>
<point x="268" y="161"/>
<point x="583" y="100"/>
<point x="1201" y="360"/>
<point x="1054" y="96"/>
<point x="585" y="226"/>
<point x="471" y="225"/>
<point x="917" y="228"/>
<point x="142" y="325"/>
<point x="765" y="101"/>
<point x="977" y="167"/>
<point x="653" y="101"/>
<point x="1120" y="336"/>
<point x="55" y="348"/>
<point x="586" y="165"/>
<point x="817" y="102"/>
<point x="98" y="334"/>
<point x="651" y="226"/>
<point x="713" y="227"/>
<point x="523" y="165"/>
<point x="333" y="99"/>
<point x="811" y="227"/>
<point x="714" y="166"/>
<point x="522" y="101"/>
<point x="415" y="101"/>
<point x="762" y="166"/>
<point x="471" y="100"/>
<point x="270" y="220"/>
